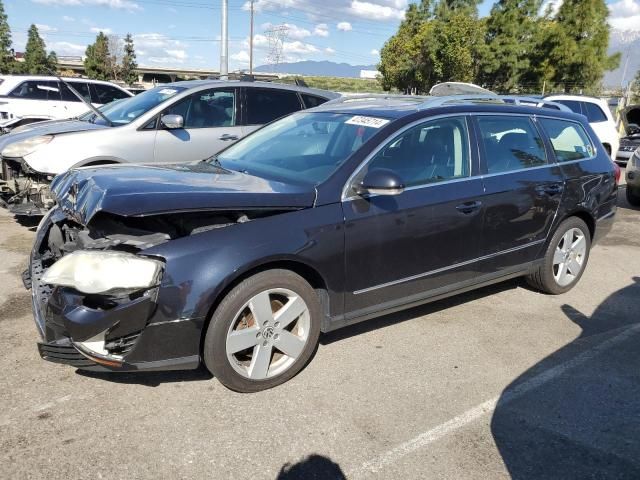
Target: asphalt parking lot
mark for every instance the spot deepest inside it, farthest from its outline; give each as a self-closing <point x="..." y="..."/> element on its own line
<point x="504" y="382"/>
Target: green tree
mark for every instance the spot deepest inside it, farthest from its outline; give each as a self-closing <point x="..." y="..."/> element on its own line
<point x="579" y="45"/>
<point x="129" y="64"/>
<point x="96" y="63"/>
<point x="635" y="87"/>
<point x="36" y="60"/>
<point x="510" y="44"/>
<point x="7" y="62"/>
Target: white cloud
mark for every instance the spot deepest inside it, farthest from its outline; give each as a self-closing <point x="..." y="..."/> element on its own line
<point x="241" y="57"/>
<point x="67" y="48"/>
<point x="106" y="31"/>
<point x="379" y="10"/>
<point x="344" y="26"/>
<point x="299" y="48"/>
<point x="329" y="50"/>
<point x="293" y="31"/>
<point x="67" y="18"/>
<point x="116" y="4"/>
<point x="45" y="28"/>
<point x="321" y="30"/>
<point x="625" y="15"/>
<point x="159" y="49"/>
<point x="554" y="5"/>
<point x="375" y="52"/>
<point x="375" y="11"/>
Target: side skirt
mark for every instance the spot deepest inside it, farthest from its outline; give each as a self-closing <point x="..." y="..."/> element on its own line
<point x="428" y="297"/>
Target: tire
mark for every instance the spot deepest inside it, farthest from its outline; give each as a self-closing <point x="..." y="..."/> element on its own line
<point x="633" y="196"/>
<point x="239" y="323"/>
<point x="548" y="276"/>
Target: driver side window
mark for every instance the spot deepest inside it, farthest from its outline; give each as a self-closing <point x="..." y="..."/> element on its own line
<point x="431" y="152"/>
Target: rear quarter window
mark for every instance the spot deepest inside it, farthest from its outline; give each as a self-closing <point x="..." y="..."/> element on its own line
<point x="594" y="113"/>
<point x="569" y="139"/>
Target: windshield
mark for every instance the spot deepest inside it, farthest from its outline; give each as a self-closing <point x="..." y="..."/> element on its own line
<point x="127" y="110"/>
<point x="303" y="147"/>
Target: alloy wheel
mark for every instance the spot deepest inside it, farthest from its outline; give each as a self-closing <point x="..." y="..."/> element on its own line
<point x="268" y="334"/>
<point x="569" y="257"/>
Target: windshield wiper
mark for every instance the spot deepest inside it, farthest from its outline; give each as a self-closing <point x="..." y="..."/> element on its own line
<point x="82" y="99"/>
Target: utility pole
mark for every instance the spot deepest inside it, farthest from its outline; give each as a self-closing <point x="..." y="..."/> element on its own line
<point x="251" y="42"/>
<point x="224" y="45"/>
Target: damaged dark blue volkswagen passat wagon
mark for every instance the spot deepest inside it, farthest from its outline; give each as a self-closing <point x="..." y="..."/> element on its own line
<point x="328" y="217"/>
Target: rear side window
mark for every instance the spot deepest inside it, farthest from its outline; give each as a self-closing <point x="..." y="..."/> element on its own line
<point x="81" y="87"/>
<point x="511" y="143"/>
<point x="311" y="101"/>
<point x="569" y="140"/>
<point x="104" y="94"/>
<point x="37" y="90"/>
<point x="574" y="105"/>
<point x="266" y="105"/>
<point x="593" y="112"/>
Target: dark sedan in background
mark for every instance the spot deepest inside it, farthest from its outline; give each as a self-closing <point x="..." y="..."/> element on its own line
<point x="328" y="217"/>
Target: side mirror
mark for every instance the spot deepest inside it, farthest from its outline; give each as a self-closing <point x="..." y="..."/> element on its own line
<point x="172" y="122"/>
<point x="381" y="181"/>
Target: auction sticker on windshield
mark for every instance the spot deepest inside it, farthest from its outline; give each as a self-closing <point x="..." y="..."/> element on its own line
<point x="363" y="121"/>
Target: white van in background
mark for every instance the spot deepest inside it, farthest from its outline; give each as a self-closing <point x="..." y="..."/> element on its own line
<point x="26" y="99"/>
<point x="599" y="116"/>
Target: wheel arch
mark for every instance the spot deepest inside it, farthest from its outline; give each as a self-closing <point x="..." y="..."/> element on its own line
<point x="95" y="161"/>
<point x="584" y="215"/>
<point x="310" y="274"/>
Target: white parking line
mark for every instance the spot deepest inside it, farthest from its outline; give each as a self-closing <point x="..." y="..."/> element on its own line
<point x="456" y="423"/>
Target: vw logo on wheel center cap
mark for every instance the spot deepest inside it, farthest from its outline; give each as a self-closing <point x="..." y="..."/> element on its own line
<point x="267" y="333"/>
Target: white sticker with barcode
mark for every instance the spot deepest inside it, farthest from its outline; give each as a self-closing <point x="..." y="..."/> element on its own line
<point x="363" y="121"/>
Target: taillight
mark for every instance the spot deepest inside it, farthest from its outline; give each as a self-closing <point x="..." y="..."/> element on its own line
<point x="617" y="172"/>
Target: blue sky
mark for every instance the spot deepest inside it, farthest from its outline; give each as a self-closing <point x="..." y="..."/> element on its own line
<point x="186" y="32"/>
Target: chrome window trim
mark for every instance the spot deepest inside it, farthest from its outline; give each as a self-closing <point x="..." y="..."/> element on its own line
<point x="345" y="189"/>
<point x="444" y="269"/>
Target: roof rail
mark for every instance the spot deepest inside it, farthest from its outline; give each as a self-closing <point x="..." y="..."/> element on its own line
<point x="433" y="102"/>
<point x="377" y="96"/>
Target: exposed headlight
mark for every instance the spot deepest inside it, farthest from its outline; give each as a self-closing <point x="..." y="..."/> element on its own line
<point x="102" y="272"/>
<point x="25" y="147"/>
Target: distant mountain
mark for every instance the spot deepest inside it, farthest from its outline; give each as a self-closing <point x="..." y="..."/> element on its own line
<point x="323" y="68"/>
<point x="628" y="44"/>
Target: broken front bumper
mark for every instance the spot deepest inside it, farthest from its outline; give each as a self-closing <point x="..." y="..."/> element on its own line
<point x="98" y="332"/>
<point x="25" y="192"/>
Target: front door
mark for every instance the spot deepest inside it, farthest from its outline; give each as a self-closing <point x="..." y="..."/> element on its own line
<point x="401" y="247"/>
<point x="209" y="126"/>
<point x="523" y="190"/>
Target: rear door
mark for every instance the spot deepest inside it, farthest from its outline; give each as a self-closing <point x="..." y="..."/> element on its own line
<point x="210" y="124"/>
<point x="264" y="105"/>
<point x="400" y="247"/>
<point x="523" y="188"/>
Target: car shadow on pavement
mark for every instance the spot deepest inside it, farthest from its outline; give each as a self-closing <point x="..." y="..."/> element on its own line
<point x="413" y="313"/>
<point x="576" y="414"/>
<point x="150" y="379"/>
<point x="313" y="467"/>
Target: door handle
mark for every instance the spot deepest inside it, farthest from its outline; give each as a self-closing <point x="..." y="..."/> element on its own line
<point x="227" y="136"/>
<point x="468" y="208"/>
<point x="551" y="190"/>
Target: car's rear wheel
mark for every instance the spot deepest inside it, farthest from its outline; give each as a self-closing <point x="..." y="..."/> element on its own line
<point x="633" y="196"/>
<point x="565" y="259"/>
<point x="263" y="332"/>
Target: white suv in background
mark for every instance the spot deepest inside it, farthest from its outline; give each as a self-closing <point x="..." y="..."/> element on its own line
<point x="599" y="116"/>
<point x="26" y="99"/>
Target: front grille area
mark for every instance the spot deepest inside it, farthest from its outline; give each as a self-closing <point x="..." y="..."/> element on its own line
<point x="122" y="345"/>
<point x="64" y="353"/>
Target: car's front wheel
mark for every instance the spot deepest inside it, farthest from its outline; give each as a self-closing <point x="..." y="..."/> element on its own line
<point x="263" y="332"/>
<point x="633" y="196"/>
<point x="565" y="258"/>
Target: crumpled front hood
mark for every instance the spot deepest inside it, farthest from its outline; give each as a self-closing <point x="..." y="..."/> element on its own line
<point x="52" y="127"/>
<point x="150" y="190"/>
